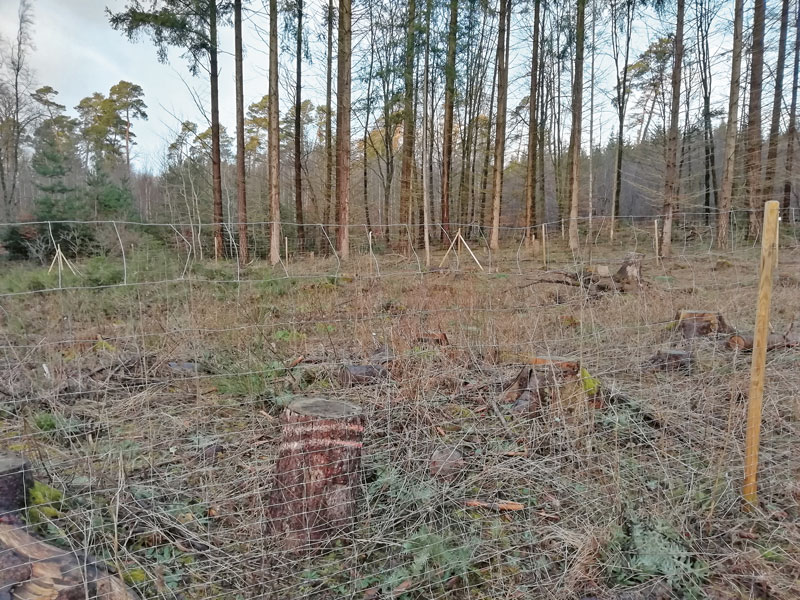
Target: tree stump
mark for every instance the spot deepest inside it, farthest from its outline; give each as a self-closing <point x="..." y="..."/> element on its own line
<point x="32" y="569"/>
<point x="701" y="323"/>
<point x="631" y="269"/>
<point x="316" y="477"/>
<point x="15" y="480"/>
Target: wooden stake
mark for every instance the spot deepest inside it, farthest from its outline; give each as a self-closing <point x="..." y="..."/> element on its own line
<point x="769" y="255"/>
<point x="655" y="240"/>
<point x="544" y="247"/>
<point x="453" y="243"/>
<point x="286" y="249"/>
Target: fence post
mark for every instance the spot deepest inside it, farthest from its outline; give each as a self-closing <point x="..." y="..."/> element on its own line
<point x="769" y="255"/>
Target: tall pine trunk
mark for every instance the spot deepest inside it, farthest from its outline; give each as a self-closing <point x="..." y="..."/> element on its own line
<point x="216" y="167"/>
<point x="273" y="149"/>
<point x="449" y="93"/>
<point x="426" y="141"/>
<point x="775" y="125"/>
<point x="241" y="193"/>
<point x="298" y="130"/>
<point x="791" y="132"/>
<point x="500" y="131"/>
<point x="343" y="82"/>
<point x="671" y="179"/>
<point x="753" y="156"/>
<point x="328" y="121"/>
<point x="575" y="133"/>
<point x="731" y="131"/>
<point x="533" y="130"/>
<point x="368" y="110"/>
<point x="406" y="170"/>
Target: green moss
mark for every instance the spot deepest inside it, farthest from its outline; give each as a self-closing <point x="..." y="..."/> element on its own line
<point x="135" y="577"/>
<point x="44" y="502"/>
<point x="591" y="385"/>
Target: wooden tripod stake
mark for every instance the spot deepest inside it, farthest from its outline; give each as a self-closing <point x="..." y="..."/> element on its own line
<point x="769" y="255"/>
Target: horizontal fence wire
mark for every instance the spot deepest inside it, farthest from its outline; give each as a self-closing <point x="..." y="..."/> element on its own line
<point x="523" y="429"/>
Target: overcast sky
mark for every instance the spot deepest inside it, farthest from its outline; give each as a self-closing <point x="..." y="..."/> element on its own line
<point x="78" y="53"/>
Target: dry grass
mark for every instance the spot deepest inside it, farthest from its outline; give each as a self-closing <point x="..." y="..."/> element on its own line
<point x="165" y="469"/>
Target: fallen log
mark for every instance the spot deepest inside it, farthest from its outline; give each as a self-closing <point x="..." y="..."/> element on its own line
<point x="775" y="341"/>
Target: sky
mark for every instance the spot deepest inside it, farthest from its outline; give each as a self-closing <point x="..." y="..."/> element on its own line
<point x="77" y="53"/>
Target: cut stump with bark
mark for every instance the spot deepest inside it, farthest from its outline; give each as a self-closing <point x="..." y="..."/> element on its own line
<point x="33" y="569"/>
<point x="315" y="492"/>
<point x="672" y="360"/>
<point x="631" y="269"/>
<point x="362" y="374"/>
<point x="701" y="323"/>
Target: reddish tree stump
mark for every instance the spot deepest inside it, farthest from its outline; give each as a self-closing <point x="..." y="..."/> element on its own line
<point x="316" y="477"/>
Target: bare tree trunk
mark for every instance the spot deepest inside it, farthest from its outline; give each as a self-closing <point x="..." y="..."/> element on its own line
<point x="449" y="93"/>
<point x="408" y="123"/>
<point x="621" y="96"/>
<point x="426" y="183"/>
<point x="216" y="168"/>
<point x="298" y="130"/>
<point x="591" y="123"/>
<point x="274" y="142"/>
<point x="487" y="150"/>
<point x="368" y="110"/>
<point x="791" y="133"/>
<point x="704" y="17"/>
<point x="328" y="119"/>
<point x="343" y="82"/>
<point x="500" y="130"/>
<point x="670" y="180"/>
<point x="241" y="193"/>
<point x="533" y="131"/>
<point x="753" y="156"/>
<point x="732" y="130"/>
<point x="775" y="125"/>
<point x="575" y="133"/>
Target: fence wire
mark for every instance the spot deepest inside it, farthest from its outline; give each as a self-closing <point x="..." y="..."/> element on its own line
<point x="528" y="431"/>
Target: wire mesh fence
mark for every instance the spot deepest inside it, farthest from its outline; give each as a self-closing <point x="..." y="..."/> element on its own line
<point x="496" y="431"/>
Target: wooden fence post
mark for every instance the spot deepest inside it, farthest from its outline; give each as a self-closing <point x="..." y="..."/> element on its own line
<point x="769" y="255"/>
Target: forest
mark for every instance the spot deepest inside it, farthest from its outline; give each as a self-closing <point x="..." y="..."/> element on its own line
<point x="678" y="107"/>
<point x="453" y="299"/>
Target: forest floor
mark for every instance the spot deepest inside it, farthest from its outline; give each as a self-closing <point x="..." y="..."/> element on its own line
<point x="151" y="410"/>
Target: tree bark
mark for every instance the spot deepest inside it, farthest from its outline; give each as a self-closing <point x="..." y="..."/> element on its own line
<point x="328" y="122"/>
<point x="244" y="254"/>
<point x="408" y="124"/>
<point x="343" y="82"/>
<point x="753" y="156"/>
<point x="533" y="131"/>
<point x="426" y="183"/>
<point x="274" y="141"/>
<point x="449" y="94"/>
<point x="298" y="130"/>
<point x="791" y="132"/>
<point x="621" y="98"/>
<point x="315" y="493"/>
<point x="216" y="167"/>
<point x="500" y="129"/>
<point x="732" y="131"/>
<point x="670" y="180"/>
<point x="775" y="125"/>
<point x="575" y="133"/>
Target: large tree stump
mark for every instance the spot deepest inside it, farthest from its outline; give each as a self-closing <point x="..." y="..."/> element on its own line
<point x="701" y="323"/>
<point x="316" y="477"/>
